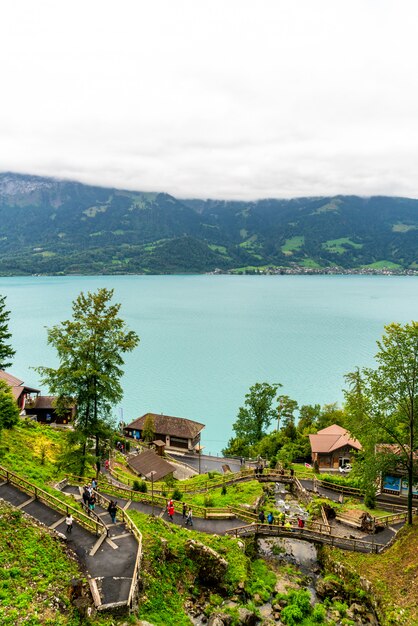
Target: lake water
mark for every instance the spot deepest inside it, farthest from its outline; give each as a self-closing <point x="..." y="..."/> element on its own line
<point x="206" y="339"/>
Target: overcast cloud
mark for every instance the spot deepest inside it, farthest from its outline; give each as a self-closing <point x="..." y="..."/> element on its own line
<point x="213" y="98"/>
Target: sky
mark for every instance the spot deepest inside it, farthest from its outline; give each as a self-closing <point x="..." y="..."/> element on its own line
<point x="228" y="99"/>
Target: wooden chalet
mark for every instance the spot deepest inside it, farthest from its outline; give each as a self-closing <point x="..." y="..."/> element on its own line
<point x="333" y="447"/>
<point x="20" y="391"/>
<point x="177" y="433"/>
<point x="43" y="408"/>
<point x="148" y="461"/>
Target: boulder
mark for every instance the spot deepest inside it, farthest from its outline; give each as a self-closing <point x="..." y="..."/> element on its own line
<point x="211" y="565"/>
<point x="247" y="617"/>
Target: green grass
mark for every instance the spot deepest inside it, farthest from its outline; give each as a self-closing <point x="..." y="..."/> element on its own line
<point x="310" y="263"/>
<point x="170" y="575"/>
<point x="393" y="575"/>
<point x="403" y="228"/>
<point x="382" y="265"/>
<point x="34" y="570"/>
<point x="242" y="493"/>
<point x="293" y="244"/>
<point x="339" y="246"/>
<point x="220" y="249"/>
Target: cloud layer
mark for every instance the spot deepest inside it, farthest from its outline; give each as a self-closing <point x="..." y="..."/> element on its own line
<point x="207" y="98"/>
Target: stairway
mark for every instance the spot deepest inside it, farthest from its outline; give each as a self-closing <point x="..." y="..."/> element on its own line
<point x="109" y="558"/>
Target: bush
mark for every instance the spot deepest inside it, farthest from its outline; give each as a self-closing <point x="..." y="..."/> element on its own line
<point x="177" y="494"/>
<point x="208" y="500"/>
<point x="370" y="499"/>
<point x="291" y="615"/>
<point x="223" y="490"/>
<point x="319" y="613"/>
<point x="316" y="467"/>
<point x="140" y="485"/>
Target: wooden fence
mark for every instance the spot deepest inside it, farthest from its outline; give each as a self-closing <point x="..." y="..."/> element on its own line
<point x="308" y="533"/>
<point x="91" y="522"/>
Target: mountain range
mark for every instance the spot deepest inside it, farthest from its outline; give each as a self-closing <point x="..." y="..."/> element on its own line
<point x="50" y="226"/>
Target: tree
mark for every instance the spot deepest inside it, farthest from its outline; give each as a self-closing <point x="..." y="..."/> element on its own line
<point x="9" y="412"/>
<point x="382" y="404"/>
<point x="256" y="414"/>
<point x="89" y="349"/>
<point x="6" y="351"/>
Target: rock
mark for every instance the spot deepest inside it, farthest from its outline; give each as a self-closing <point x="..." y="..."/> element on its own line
<point x="328" y="588"/>
<point x="215" y="620"/>
<point x="247" y="618"/>
<point x="212" y="566"/>
<point x="144" y="623"/>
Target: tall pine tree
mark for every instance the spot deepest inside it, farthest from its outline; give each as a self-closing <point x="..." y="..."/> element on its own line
<point x="6" y="351"/>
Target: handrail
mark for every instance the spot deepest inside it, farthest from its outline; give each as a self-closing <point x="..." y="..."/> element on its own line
<point x="43" y="496"/>
<point x="307" y="534"/>
<point x="130" y="525"/>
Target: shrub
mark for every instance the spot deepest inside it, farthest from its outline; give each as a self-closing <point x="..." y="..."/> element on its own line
<point x="140" y="485"/>
<point x="319" y="613"/>
<point x="370" y="499"/>
<point x="291" y="615"/>
<point x="223" y="490"/>
<point x="316" y="467"/>
<point x="208" y="500"/>
<point x="177" y="494"/>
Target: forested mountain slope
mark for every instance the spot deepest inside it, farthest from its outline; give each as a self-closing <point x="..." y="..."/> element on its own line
<point x="50" y="226"/>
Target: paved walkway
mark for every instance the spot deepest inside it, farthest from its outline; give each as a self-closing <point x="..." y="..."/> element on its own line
<point x="112" y="564"/>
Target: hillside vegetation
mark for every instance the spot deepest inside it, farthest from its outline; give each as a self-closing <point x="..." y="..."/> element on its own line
<point x="60" y="227"/>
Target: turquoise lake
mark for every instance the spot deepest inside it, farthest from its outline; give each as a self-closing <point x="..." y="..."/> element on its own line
<point x="206" y="339"/>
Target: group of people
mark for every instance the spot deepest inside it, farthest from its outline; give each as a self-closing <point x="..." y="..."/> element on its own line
<point x="187" y="513"/>
<point x="89" y="496"/>
<point x="281" y="519"/>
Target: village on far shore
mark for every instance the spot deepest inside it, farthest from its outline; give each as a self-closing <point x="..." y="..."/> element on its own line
<point x="176" y="449"/>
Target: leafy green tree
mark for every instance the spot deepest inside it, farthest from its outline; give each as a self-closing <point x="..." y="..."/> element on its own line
<point x="256" y="415"/>
<point x="382" y="404"/>
<point x="89" y="349"/>
<point x="286" y="411"/>
<point x="9" y="412"/>
<point x="6" y="351"/>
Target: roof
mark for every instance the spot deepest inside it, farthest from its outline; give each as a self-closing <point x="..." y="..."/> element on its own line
<point x="148" y="461"/>
<point x="394" y="448"/>
<point x="168" y="425"/>
<point x="16" y="384"/>
<point x="47" y="402"/>
<point x="332" y="438"/>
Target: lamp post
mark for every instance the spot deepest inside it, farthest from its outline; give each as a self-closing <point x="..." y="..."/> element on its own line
<point x="151" y="475"/>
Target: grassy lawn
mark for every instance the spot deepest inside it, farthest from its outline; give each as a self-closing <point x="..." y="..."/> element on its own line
<point x="393" y="575"/>
<point x="339" y="246"/>
<point x="242" y="493"/>
<point x="293" y="244"/>
<point x="382" y="265"/>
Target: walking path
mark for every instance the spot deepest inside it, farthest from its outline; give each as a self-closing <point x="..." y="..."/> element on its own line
<point x="111" y="555"/>
<point x="109" y="558"/>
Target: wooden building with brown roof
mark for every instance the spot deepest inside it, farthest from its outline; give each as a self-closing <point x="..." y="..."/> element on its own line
<point x="333" y="447"/>
<point x="19" y="390"/>
<point x="177" y="433"/>
<point x="148" y="461"/>
<point x="43" y="408"/>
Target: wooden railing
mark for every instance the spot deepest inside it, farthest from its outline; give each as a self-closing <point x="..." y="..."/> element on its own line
<point x="91" y="522"/>
<point x="308" y="533"/>
<point x="103" y="501"/>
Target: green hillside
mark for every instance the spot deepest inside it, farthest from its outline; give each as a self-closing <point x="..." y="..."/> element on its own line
<point x="58" y="227"/>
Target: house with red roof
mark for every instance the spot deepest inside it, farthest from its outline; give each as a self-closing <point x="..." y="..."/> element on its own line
<point x="20" y="391"/>
<point x="333" y="447"/>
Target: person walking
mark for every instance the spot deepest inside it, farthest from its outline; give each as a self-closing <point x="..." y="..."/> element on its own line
<point x="189" y="518"/>
<point x="170" y="510"/>
<point x="261" y="517"/>
<point x="270" y="519"/>
<point x="69" y="522"/>
<point x="92" y="502"/>
<point x="184" y="510"/>
<point x="112" y="510"/>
